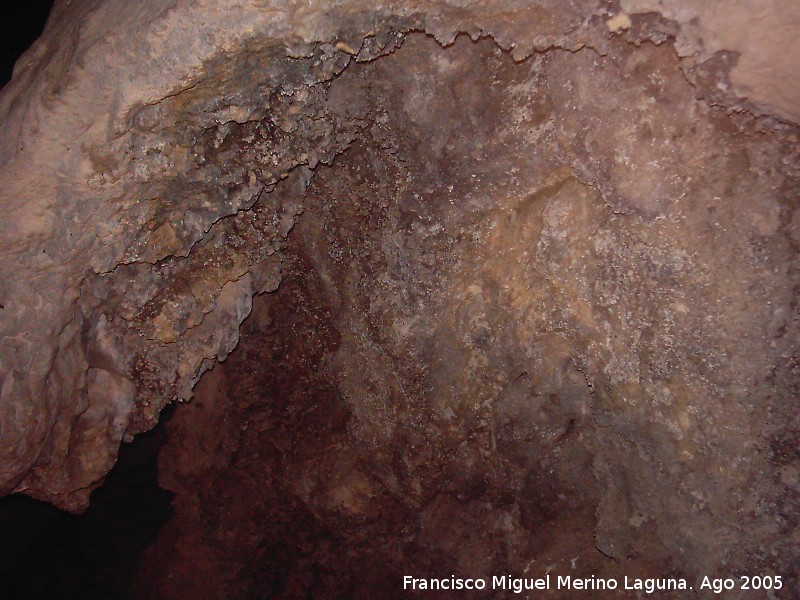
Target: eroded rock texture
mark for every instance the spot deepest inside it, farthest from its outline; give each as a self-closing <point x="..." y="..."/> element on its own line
<point x="522" y="301"/>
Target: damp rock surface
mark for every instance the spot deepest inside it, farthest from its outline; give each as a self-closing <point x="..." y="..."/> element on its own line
<point x="453" y="287"/>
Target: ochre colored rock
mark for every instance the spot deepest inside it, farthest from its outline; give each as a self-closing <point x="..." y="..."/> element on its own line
<point x="523" y="278"/>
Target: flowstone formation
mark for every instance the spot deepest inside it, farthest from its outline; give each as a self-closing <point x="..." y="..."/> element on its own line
<point x="523" y="283"/>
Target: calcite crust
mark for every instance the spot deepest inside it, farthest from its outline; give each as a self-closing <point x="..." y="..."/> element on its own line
<point x="514" y="269"/>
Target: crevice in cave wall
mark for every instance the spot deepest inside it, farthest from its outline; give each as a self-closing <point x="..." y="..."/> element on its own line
<point x="47" y="553"/>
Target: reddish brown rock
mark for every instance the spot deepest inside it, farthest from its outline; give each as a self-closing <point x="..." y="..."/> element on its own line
<point x="521" y="301"/>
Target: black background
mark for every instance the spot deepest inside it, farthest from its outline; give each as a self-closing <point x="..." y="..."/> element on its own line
<point x="21" y="22"/>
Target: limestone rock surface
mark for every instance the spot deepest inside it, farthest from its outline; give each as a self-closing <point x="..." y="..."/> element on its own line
<point x="518" y="268"/>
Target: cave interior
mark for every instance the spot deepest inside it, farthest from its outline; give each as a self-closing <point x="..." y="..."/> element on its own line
<point x="471" y="314"/>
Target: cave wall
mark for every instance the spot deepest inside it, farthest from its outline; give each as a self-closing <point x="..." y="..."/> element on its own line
<point x="550" y="267"/>
<point x="513" y="367"/>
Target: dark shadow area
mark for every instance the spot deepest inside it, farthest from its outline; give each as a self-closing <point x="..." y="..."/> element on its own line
<point x="46" y="553"/>
<point x="22" y="24"/>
